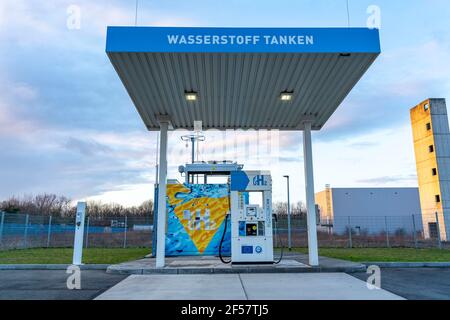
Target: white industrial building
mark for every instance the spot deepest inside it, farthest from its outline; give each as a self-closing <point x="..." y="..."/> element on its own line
<point x="369" y="210"/>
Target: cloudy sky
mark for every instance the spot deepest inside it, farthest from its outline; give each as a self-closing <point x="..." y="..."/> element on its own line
<point x="67" y="125"/>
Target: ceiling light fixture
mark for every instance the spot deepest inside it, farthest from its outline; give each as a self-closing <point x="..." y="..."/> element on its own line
<point x="286" y="95"/>
<point x="190" y="95"/>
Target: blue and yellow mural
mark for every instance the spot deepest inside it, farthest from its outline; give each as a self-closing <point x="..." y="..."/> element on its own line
<point x="196" y="219"/>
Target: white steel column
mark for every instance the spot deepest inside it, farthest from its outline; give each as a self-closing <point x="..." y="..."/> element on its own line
<point x="310" y="197"/>
<point x="161" y="224"/>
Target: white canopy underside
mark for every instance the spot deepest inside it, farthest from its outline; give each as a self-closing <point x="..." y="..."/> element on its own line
<point x="239" y="90"/>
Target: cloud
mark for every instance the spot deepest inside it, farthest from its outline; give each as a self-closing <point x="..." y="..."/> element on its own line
<point x="127" y="195"/>
<point x="87" y="148"/>
<point x="68" y="126"/>
<point x="389" y="180"/>
<point x="26" y="14"/>
<point x="40" y="157"/>
<point x="364" y="144"/>
<point x="401" y="78"/>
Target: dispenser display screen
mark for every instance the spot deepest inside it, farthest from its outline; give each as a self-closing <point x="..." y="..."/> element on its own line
<point x="251" y="211"/>
<point x="251" y="229"/>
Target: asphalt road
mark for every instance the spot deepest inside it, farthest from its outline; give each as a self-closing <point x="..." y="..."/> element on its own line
<point x="415" y="283"/>
<point x="51" y="284"/>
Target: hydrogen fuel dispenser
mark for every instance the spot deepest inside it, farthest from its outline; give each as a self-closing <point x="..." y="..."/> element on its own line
<point x="232" y="218"/>
<point x="251" y="223"/>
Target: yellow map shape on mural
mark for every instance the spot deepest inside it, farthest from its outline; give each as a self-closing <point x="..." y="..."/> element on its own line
<point x="203" y="230"/>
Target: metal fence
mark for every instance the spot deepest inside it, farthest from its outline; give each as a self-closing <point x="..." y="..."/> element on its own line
<point x="31" y="231"/>
<point x="415" y="231"/>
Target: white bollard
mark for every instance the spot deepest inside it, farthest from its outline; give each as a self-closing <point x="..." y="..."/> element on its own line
<point x="79" y="233"/>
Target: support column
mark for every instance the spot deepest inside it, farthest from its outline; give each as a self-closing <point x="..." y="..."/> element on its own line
<point x="289" y="216"/>
<point x="310" y="197"/>
<point x="162" y="179"/>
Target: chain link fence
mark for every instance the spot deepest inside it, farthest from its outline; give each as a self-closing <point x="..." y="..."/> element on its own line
<point x="33" y="231"/>
<point x="415" y="231"/>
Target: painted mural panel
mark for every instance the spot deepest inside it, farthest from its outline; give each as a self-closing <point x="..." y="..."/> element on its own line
<point x="196" y="219"/>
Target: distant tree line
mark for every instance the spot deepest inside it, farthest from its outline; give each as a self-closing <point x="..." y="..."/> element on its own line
<point x="61" y="206"/>
<point x="297" y="209"/>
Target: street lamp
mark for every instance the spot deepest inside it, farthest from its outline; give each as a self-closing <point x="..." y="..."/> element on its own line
<point x="288" y="214"/>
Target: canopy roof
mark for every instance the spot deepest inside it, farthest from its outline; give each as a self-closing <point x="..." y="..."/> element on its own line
<point x="239" y="73"/>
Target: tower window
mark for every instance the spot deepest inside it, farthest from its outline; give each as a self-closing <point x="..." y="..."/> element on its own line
<point x="428" y="126"/>
<point x="437" y="198"/>
<point x="426" y="107"/>
<point x="431" y="148"/>
<point x="434" y="172"/>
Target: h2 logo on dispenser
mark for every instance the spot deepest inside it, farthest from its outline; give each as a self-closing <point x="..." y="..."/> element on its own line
<point x="259" y="181"/>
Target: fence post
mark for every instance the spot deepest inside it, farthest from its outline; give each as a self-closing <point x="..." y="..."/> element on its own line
<point x="349" y="227"/>
<point x="438" y="231"/>
<point x="86" y="243"/>
<point x="387" y="231"/>
<point x="2" y="222"/>
<point x="49" y="231"/>
<point x="25" y="231"/>
<point x="414" y="231"/>
<point x="125" y="233"/>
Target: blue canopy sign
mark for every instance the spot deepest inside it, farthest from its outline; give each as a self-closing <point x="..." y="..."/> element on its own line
<point x="231" y="39"/>
<point x="190" y="39"/>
